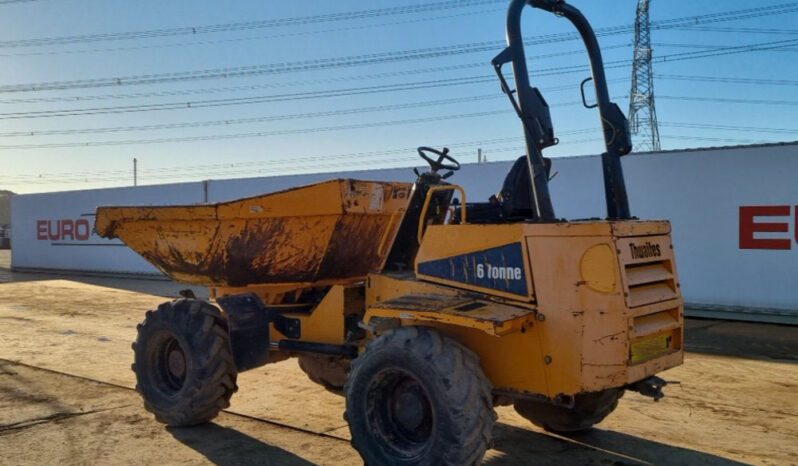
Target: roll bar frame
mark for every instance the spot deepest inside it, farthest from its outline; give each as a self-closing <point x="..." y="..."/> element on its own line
<point x="534" y="111"/>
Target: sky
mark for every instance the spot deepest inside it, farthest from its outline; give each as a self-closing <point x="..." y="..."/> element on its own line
<point x="346" y="85"/>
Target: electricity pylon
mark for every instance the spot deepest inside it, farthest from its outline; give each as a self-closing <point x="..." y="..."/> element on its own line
<point x="642" y="112"/>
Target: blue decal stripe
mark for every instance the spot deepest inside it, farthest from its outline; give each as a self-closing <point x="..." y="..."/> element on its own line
<point x="500" y="268"/>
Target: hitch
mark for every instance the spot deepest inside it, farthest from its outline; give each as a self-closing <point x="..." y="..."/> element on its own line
<point x="651" y="387"/>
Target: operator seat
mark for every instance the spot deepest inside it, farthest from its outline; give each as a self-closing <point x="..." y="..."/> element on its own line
<point x="514" y="202"/>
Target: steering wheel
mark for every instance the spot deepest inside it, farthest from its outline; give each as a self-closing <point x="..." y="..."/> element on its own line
<point x="439" y="164"/>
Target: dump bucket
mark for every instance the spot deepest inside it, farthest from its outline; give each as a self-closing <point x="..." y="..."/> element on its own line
<point x="331" y="232"/>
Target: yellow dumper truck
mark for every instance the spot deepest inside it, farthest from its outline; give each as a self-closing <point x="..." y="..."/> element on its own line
<point x="423" y="309"/>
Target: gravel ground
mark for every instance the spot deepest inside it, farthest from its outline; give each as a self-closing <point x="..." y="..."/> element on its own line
<point x="66" y="396"/>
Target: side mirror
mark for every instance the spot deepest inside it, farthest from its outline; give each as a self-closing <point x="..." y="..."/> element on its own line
<point x="584" y="99"/>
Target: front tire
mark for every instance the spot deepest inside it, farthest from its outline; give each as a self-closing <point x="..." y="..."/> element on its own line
<point x="417" y="397"/>
<point x="589" y="409"/>
<point x="183" y="363"/>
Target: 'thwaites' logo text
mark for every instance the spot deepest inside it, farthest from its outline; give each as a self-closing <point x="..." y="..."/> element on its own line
<point x="645" y="251"/>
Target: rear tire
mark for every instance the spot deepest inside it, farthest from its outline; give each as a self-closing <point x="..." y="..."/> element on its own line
<point x="183" y="363"/>
<point x="417" y="397"/>
<point x="589" y="409"/>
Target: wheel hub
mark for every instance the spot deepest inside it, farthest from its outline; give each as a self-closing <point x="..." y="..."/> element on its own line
<point x="177" y="363"/>
<point x="171" y="365"/>
<point x="401" y="412"/>
<point x="408" y="410"/>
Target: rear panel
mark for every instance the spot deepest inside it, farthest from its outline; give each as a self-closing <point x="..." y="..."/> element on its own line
<point x="616" y="295"/>
<point x="606" y="295"/>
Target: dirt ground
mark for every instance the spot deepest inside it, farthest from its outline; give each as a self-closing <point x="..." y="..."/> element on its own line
<point x="66" y="396"/>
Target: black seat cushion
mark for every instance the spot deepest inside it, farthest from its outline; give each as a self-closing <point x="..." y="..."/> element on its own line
<point x="481" y="212"/>
<point x="516" y="198"/>
<point x="516" y="194"/>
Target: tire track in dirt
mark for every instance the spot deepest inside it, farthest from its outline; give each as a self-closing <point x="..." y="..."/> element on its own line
<point x="87" y="379"/>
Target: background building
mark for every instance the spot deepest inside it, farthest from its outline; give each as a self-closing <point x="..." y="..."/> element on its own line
<point x="5" y="219"/>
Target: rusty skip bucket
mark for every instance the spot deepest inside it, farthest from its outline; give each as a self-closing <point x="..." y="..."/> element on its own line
<point x="331" y="232"/>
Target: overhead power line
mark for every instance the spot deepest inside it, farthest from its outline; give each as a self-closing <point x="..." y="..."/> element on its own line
<point x="748" y="129"/>
<point x="729" y="50"/>
<point x="352" y="91"/>
<point x="245" y="88"/>
<point x="366" y="14"/>
<point x="373" y="76"/>
<point x="250" y="165"/>
<point x="249" y="38"/>
<point x="293" y="83"/>
<point x="293" y="164"/>
<point x="374" y="58"/>
<point x="319" y="164"/>
<point x="248" y="25"/>
<point x="335" y="30"/>
<point x="276" y="68"/>
<point x="345" y="16"/>
<point x="730" y="80"/>
<point x="362" y="90"/>
<point x="259" y="134"/>
<point x="711" y="47"/>
<point x="732" y="101"/>
<point x="340" y="127"/>
<point x="242" y="100"/>
<point x="239" y="121"/>
<point x="711" y="139"/>
<point x="254" y="134"/>
<point x="257" y="70"/>
<point x="345" y="62"/>
<point x="744" y="30"/>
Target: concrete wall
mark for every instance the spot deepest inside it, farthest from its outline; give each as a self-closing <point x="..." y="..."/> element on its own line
<point x="700" y="191"/>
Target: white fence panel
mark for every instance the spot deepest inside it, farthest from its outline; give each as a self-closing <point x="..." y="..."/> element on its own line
<point x="55" y="231"/>
<point x="733" y="210"/>
<point x="708" y="196"/>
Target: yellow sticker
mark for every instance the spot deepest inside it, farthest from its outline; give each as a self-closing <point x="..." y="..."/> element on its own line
<point x="651" y="347"/>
